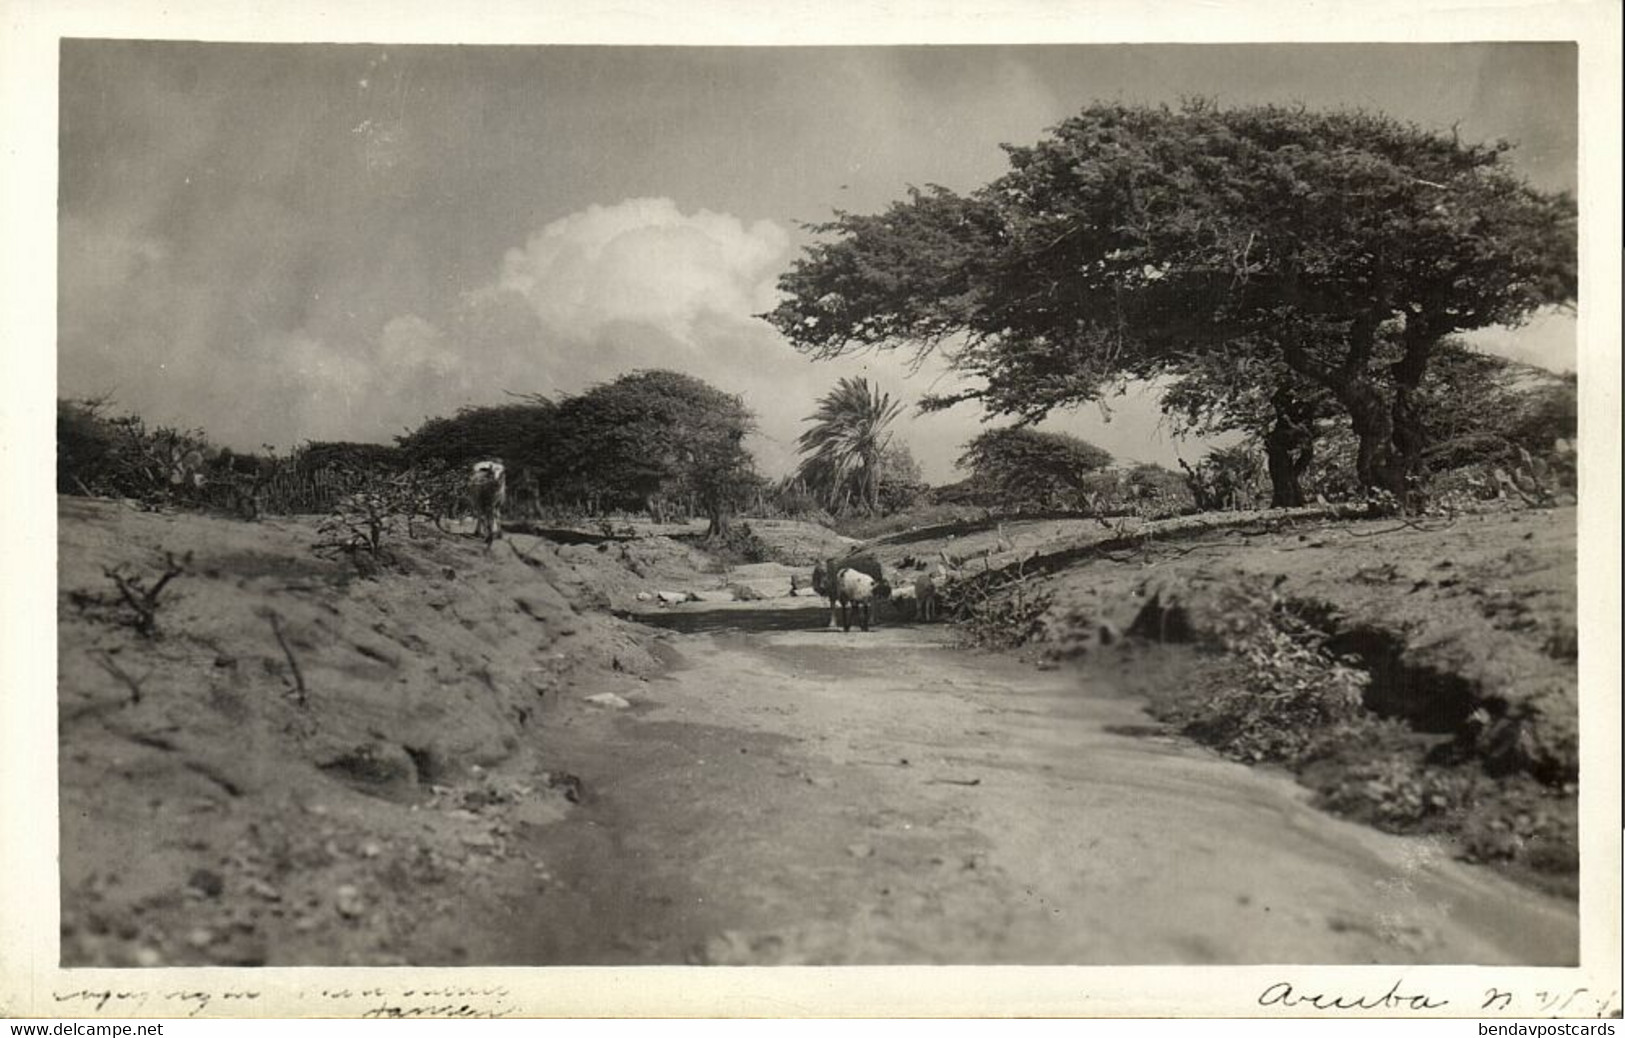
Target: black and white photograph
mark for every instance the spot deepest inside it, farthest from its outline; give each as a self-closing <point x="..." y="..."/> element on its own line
<point x="1052" y="503"/>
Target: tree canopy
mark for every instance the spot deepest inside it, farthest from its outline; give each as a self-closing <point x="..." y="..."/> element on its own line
<point x="648" y="436"/>
<point x="1136" y="240"/>
<point x="473" y="433"/>
<point x="1035" y="469"/>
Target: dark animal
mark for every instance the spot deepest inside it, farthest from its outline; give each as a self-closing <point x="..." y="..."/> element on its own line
<point x="827" y="582"/>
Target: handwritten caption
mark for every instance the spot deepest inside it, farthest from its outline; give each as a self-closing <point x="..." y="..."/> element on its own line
<point x="1577" y="1001"/>
<point x="373" y="1003"/>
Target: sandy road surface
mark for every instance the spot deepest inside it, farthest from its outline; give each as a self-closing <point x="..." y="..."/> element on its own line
<point x="790" y="795"/>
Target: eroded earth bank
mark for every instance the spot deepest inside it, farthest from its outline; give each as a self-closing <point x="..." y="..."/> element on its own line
<point x="508" y="757"/>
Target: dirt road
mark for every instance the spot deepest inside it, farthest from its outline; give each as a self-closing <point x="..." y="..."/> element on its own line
<point x="786" y="794"/>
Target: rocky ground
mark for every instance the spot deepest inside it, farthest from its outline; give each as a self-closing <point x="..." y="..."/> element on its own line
<point x="533" y="755"/>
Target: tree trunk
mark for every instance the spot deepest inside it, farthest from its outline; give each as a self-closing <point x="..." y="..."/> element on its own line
<point x="1285" y="489"/>
<point x="721" y="522"/>
<point x="1378" y="465"/>
<point x="1409" y="430"/>
<point x="1288" y="447"/>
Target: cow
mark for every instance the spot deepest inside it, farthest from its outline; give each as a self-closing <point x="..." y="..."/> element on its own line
<point x="856" y="592"/>
<point x="488" y="492"/>
<point x="826" y="582"/>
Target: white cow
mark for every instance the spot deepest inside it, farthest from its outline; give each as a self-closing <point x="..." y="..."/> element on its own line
<point x="488" y="491"/>
<point x="856" y="592"/>
<point x="826" y="581"/>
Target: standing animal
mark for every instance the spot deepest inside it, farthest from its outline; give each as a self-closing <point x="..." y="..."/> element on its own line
<point x="827" y="582"/>
<point x="488" y="492"/>
<point x="928" y="592"/>
<point x="904" y="600"/>
<point x="856" y="592"/>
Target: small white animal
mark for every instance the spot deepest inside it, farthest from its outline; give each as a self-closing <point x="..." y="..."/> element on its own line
<point x="903" y="599"/>
<point x="488" y="491"/>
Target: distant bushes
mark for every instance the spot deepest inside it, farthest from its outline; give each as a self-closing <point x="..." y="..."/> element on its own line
<point x="352" y="457"/>
<point x="104" y="454"/>
<point x="119" y="456"/>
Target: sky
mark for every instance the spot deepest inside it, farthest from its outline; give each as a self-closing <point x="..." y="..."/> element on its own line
<point x="281" y="243"/>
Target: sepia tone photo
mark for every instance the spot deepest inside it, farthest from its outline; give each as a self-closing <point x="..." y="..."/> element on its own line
<point x="894" y="505"/>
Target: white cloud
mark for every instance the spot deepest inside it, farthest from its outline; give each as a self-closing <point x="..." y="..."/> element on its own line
<point x="588" y="297"/>
<point x="1547" y="341"/>
<point x="641" y="284"/>
<point x="644" y="261"/>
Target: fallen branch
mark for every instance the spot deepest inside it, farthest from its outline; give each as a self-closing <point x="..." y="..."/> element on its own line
<point x="301" y="696"/>
<point x="524" y="557"/>
<point x="142" y="599"/>
<point x="107" y="664"/>
<point x="1411" y="524"/>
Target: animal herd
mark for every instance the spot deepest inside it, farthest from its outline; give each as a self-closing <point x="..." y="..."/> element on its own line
<point x="853" y="584"/>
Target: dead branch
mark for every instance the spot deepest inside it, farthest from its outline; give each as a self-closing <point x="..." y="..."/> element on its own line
<point x="1404" y="524"/>
<point x="134" y="685"/>
<point x="301" y="695"/>
<point x="524" y="557"/>
<point x="142" y="599"/>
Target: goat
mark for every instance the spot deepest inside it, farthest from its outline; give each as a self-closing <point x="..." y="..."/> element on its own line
<point x="928" y="592"/>
<point x="827" y="581"/>
<point x="488" y="491"/>
<point x="904" y="600"/>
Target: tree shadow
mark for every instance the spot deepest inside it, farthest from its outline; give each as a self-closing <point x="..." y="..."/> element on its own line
<point x="689" y="620"/>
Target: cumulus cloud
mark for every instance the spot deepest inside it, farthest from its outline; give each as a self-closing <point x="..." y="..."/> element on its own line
<point x="644" y="262"/>
<point x="642" y="284"/>
<point x="586" y="298"/>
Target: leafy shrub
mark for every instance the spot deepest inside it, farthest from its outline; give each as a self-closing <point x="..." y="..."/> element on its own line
<point x="1227" y="478"/>
<point x="1285" y="699"/>
<point x="1002" y="621"/>
<point x="1154" y="492"/>
<point x="1507" y="819"/>
<point x="1277" y="694"/>
<point x="899" y="496"/>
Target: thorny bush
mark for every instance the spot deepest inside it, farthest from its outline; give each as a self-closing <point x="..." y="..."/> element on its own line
<point x="387" y="508"/>
<point x="999" y="610"/>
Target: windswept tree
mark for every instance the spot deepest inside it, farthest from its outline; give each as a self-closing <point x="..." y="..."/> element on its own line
<point x="845" y="446"/>
<point x="648" y="438"/>
<point x="475" y="433"/>
<point x="1029" y="468"/>
<point x="1135" y="241"/>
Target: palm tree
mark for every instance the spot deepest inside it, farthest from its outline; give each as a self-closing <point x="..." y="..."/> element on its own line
<point x="844" y="446"/>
